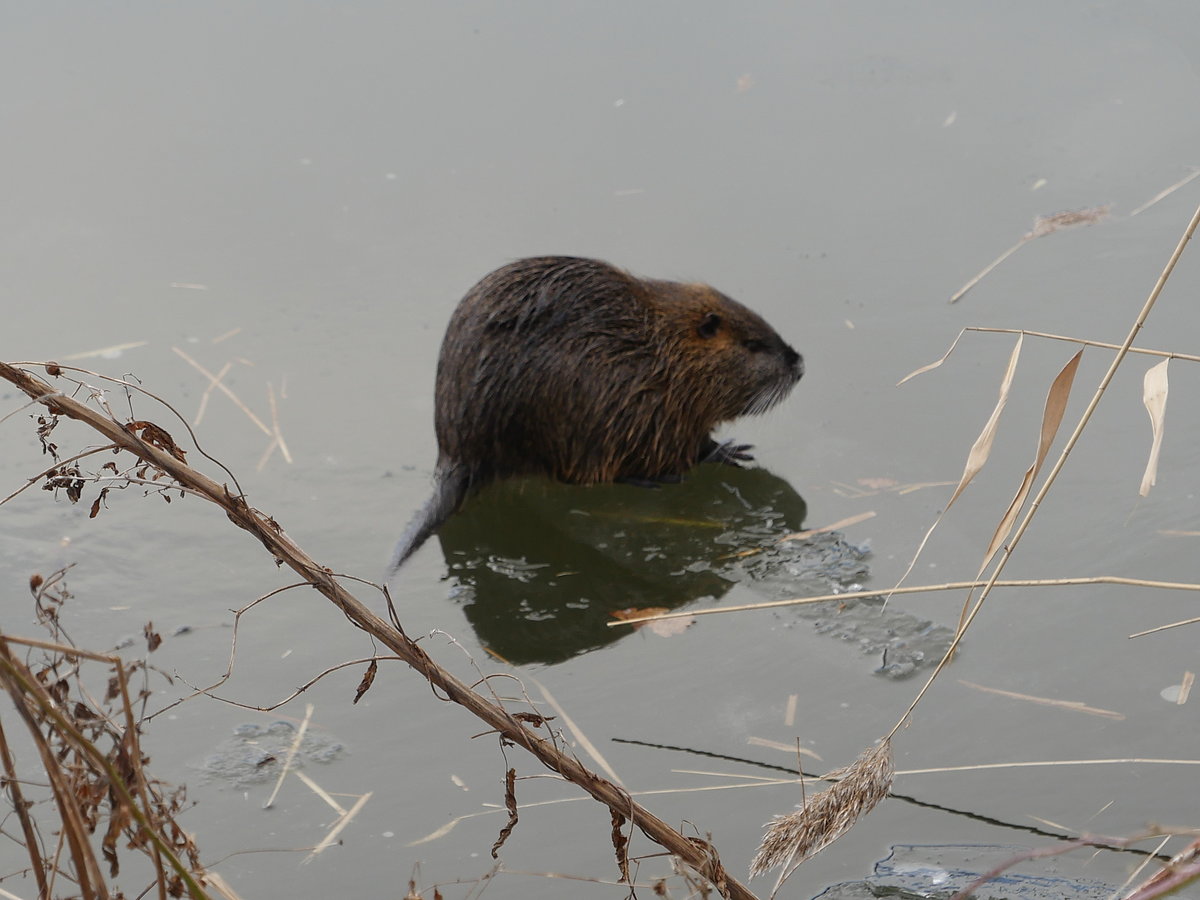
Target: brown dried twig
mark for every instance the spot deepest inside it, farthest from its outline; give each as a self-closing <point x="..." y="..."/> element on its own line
<point x="286" y="551"/>
<point x="1042" y="226"/>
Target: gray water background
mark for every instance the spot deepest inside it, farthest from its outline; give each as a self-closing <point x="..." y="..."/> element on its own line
<point x="330" y="178"/>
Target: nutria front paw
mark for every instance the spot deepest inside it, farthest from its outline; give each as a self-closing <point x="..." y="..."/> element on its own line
<point x="729" y="453"/>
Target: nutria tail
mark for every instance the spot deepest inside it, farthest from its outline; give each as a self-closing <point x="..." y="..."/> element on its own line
<point x="450" y="488"/>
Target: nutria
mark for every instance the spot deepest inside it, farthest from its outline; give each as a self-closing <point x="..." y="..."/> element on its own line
<point x="573" y="369"/>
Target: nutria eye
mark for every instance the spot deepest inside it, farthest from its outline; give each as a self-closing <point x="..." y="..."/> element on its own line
<point x="709" y="326"/>
<point x="754" y="345"/>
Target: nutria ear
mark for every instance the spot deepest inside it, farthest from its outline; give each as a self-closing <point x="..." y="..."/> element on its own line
<point x="709" y="326"/>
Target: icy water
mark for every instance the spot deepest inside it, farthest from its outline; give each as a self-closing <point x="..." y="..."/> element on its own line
<point x="302" y="192"/>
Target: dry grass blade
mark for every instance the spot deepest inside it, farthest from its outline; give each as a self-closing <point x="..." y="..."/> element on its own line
<point x="1165" y="192"/>
<point x="1052" y="415"/>
<point x="780" y="745"/>
<point x="1185" y="687"/>
<point x="1072" y="705"/>
<point x="826" y="816"/>
<point x="839" y="525"/>
<point x="342" y="821"/>
<point x="203" y="407"/>
<point x="220" y="385"/>
<point x="924" y="588"/>
<point x="962" y="291"/>
<point x="219" y="884"/>
<point x="1154" y="395"/>
<point x="933" y="365"/>
<point x="982" y="447"/>
<point x="1105" y="345"/>
<point x="1042" y="226"/>
<point x="291" y="755"/>
<point x="591" y="749"/>
<point x="976" y="458"/>
<point x="1167" y="627"/>
<point x="106" y="352"/>
<point x="1183" y="869"/>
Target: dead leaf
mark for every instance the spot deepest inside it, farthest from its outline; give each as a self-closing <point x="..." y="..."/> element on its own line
<point x="368" y="679"/>
<point x="510" y="803"/>
<point x="1154" y="395"/>
<point x="156" y="436"/>
<point x="620" y="845"/>
<point x="153" y="638"/>
<point x="983" y="444"/>
<point x="933" y="365"/>
<point x="634" y="613"/>
<point x="1052" y="414"/>
<point x="662" y="627"/>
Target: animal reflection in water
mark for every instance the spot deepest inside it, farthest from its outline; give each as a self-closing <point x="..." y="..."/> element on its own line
<point x="542" y="567"/>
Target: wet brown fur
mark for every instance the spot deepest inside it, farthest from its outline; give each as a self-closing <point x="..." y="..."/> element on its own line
<point x="574" y="369"/>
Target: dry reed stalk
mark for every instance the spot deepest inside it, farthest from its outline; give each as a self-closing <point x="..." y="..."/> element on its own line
<point x="700" y="856"/>
<point x="928" y="588"/>
<point x="1103" y="345"/>
<point x="12" y="784"/>
<point x="114" y="350"/>
<point x="291" y="754"/>
<point x="338" y="826"/>
<point x="1042" y="226"/>
<point x="1072" y="705"/>
<point x="200" y="410"/>
<point x="591" y="749"/>
<point x="216" y="382"/>
<point x="1165" y="192"/>
<point x="1166" y="627"/>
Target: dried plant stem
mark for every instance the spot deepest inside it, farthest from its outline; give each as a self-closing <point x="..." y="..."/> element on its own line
<point x="1059" y="463"/>
<point x="697" y="854"/>
<point x="21" y="808"/>
<point x="215" y="381"/>
<point x="1165" y="192"/>
<point x="1168" y="354"/>
<point x="22" y="684"/>
<point x="291" y="754"/>
<point x="919" y="589"/>
<point x="995" y="262"/>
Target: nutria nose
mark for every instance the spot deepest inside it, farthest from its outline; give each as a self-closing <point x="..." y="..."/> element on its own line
<point x="794" y="360"/>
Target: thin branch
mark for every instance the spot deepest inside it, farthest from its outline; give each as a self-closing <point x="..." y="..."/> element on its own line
<point x="700" y="856"/>
<point x="1168" y="354"/>
<point x="921" y="589"/>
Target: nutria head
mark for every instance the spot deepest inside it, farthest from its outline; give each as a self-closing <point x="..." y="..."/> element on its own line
<point x="576" y="370"/>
